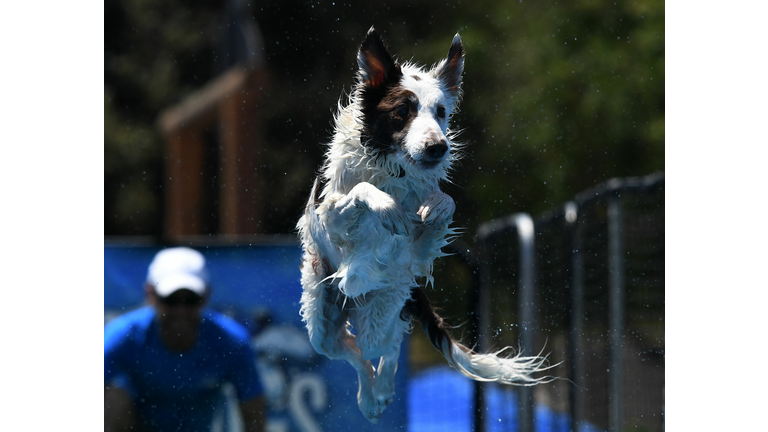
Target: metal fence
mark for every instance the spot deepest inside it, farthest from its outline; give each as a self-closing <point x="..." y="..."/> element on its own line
<point x="584" y="283"/>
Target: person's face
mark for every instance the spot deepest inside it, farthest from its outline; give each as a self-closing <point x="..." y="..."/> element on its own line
<point x="179" y="313"/>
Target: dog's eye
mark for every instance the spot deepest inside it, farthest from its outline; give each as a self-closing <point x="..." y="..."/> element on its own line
<point x="441" y="111"/>
<point x="402" y="110"/>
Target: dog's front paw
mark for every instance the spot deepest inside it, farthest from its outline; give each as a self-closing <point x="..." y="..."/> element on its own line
<point x="438" y="209"/>
<point x="394" y="220"/>
<point x="388" y="211"/>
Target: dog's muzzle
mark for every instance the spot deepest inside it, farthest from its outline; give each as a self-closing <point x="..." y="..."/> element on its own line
<point x="435" y="150"/>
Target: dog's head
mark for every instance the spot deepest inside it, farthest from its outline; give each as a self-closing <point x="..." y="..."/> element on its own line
<point x="406" y="109"/>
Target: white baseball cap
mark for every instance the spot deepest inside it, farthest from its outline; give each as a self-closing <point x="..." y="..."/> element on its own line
<point x="178" y="268"/>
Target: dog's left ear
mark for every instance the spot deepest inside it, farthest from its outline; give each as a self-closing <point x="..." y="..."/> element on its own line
<point x="450" y="71"/>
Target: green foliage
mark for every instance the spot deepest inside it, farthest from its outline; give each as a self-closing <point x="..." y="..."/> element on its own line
<point x="564" y="96"/>
<point x="559" y="96"/>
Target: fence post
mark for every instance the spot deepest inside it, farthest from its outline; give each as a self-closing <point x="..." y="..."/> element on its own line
<point x="524" y="230"/>
<point x="479" y="320"/>
<point x="526" y="307"/>
<point x="575" y="348"/>
<point x="616" y="312"/>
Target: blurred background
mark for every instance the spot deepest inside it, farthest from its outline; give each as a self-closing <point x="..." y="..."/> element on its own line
<point x="558" y="96"/>
<point x="216" y="115"/>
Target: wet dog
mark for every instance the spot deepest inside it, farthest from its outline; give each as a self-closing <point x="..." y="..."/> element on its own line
<point x="376" y="220"/>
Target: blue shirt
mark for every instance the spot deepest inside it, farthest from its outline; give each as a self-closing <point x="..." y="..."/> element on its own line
<point x="178" y="391"/>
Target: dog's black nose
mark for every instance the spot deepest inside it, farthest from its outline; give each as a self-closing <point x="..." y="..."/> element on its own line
<point x="436" y="149"/>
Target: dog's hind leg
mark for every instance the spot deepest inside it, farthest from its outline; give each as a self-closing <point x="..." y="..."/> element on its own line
<point x="384" y="384"/>
<point x="343" y="347"/>
<point x="365" y="374"/>
<point x="381" y="330"/>
<point x="347" y="349"/>
<point x="329" y="334"/>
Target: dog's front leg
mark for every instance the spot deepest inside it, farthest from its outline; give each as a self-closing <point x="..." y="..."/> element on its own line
<point x="436" y="213"/>
<point x="345" y="215"/>
<point x="369" y="227"/>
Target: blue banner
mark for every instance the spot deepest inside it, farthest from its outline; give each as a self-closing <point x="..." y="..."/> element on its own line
<point x="259" y="285"/>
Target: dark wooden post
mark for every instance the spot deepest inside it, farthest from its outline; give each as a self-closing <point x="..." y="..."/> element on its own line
<point x="185" y="149"/>
<point x="229" y="103"/>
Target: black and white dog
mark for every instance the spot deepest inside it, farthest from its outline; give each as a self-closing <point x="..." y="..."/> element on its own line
<point x="376" y="220"/>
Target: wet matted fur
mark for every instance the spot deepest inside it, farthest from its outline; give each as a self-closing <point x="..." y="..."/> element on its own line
<point x="376" y="220"/>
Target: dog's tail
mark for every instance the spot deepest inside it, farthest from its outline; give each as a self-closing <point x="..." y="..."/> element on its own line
<point x="516" y="370"/>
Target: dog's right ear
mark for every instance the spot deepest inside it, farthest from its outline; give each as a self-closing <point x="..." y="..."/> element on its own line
<point x="376" y="64"/>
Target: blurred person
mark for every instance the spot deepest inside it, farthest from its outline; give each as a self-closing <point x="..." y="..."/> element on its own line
<point x="165" y="363"/>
